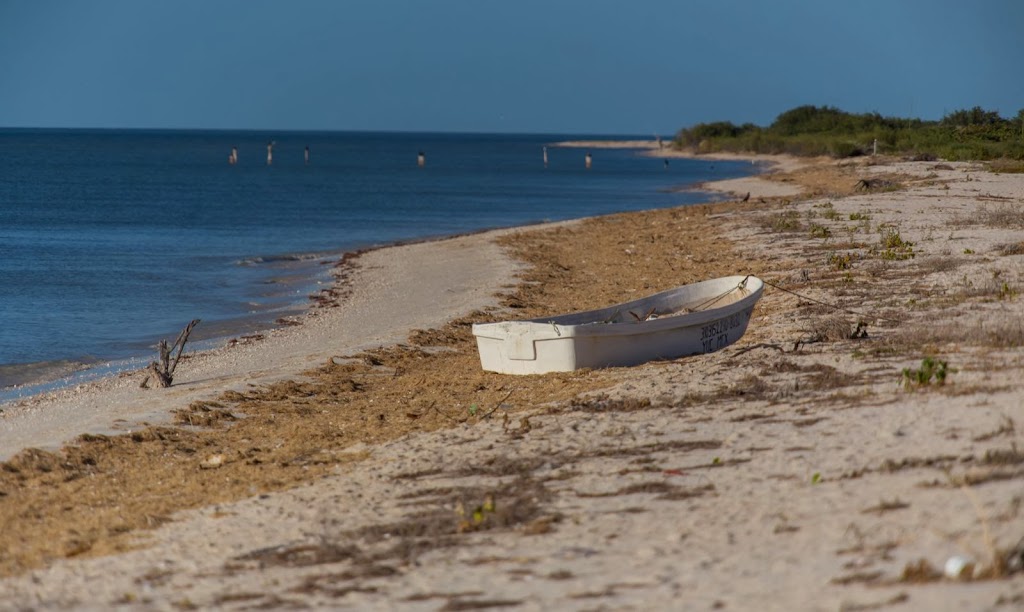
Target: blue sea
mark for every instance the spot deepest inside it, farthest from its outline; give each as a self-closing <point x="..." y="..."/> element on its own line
<point x="111" y="240"/>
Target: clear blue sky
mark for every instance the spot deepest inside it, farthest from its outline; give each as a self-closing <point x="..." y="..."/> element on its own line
<point x="568" y="66"/>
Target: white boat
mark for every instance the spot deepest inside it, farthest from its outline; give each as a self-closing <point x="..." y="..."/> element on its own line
<point x="689" y="320"/>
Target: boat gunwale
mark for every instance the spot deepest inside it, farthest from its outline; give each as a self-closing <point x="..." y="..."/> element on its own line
<point x="549" y="328"/>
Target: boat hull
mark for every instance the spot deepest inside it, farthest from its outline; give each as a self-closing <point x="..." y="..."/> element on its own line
<point x="688" y="320"/>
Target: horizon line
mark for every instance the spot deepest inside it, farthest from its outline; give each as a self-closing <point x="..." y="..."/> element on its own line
<point x="630" y="135"/>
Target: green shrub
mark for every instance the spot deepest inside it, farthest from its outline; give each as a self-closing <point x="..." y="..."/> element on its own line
<point x="974" y="134"/>
<point x="1007" y="166"/>
<point x="931" y="368"/>
<point x="820" y="231"/>
<point x="893" y="246"/>
<point x="788" y="221"/>
<point x="839" y="261"/>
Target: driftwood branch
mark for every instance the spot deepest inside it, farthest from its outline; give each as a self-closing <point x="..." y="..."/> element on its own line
<point x="869" y="184"/>
<point x="162" y="371"/>
<point x="765" y="345"/>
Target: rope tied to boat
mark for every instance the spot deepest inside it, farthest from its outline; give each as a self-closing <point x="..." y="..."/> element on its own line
<point x="704" y="305"/>
<point x="827" y="304"/>
<point x="743" y="285"/>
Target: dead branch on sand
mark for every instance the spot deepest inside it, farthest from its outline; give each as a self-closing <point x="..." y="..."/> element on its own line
<point x="162" y="372"/>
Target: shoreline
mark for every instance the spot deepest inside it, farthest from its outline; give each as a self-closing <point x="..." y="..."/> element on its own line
<point x="758" y="185"/>
<point x="73" y="373"/>
<point x="70" y="373"/>
<point x="101" y="406"/>
<point x="651" y="148"/>
<point x="36" y="378"/>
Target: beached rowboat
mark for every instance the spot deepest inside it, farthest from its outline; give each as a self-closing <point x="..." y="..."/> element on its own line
<point x="688" y="320"/>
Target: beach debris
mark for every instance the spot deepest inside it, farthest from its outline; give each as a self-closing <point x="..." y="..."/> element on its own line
<point x="650" y="315"/>
<point x="958" y="566"/>
<point x="873" y="184"/>
<point x="245" y="340"/>
<point x="212" y="462"/>
<point x="920" y="571"/>
<point x="1013" y="560"/>
<point x="162" y="371"/>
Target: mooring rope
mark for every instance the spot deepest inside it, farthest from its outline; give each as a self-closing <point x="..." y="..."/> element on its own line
<point x="703" y="305"/>
<point x="742" y="285"/>
<point x="832" y="306"/>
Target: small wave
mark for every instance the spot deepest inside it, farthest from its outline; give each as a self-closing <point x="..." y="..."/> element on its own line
<point x="285" y="258"/>
<point x="22" y="374"/>
<point x="52" y="376"/>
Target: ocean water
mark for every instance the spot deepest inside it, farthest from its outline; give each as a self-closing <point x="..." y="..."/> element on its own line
<point x="110" y="240"/>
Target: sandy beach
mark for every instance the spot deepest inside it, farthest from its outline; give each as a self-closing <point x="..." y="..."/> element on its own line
<point x="864" y="432"/>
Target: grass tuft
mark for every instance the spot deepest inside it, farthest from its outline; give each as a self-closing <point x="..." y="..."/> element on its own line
<point x="931" y="368"/>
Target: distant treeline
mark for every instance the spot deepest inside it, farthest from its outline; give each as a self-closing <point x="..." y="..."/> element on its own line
<point x="974" y="134"/>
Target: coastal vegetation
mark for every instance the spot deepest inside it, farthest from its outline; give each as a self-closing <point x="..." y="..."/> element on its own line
<point x="974" y="134"/>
